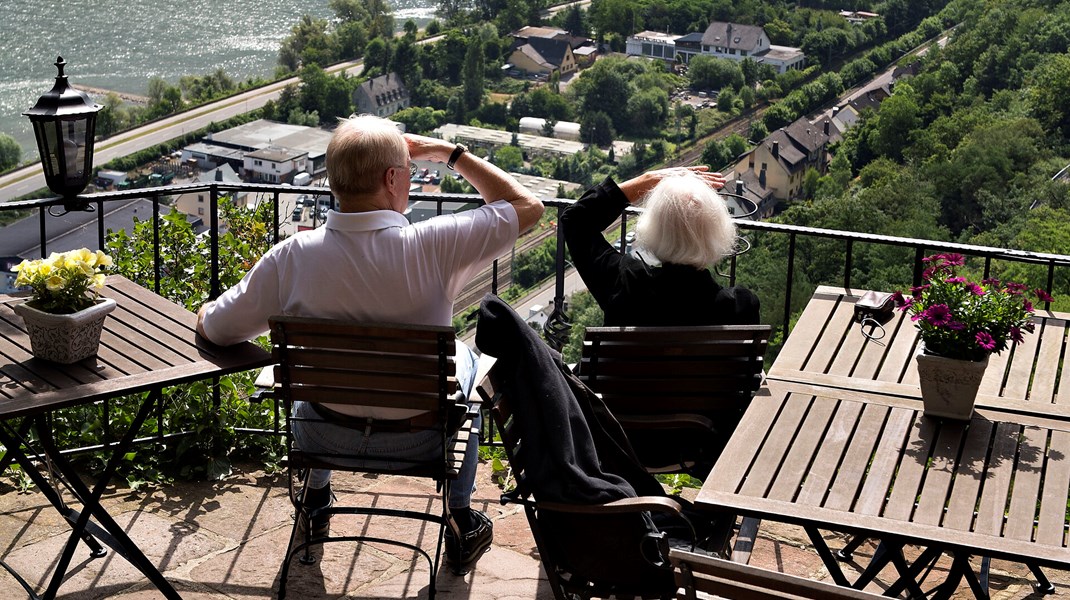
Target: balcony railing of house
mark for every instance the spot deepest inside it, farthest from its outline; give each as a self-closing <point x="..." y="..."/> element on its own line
<point x="795" y="244"/>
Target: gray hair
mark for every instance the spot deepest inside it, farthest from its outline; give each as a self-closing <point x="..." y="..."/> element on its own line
<point x="362" y="148"/>
<point x="686" y="222"/>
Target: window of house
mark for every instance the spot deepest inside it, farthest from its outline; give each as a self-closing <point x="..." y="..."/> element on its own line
<point x="200" y="211"/>
<point x="258" y="163"/>
<point x="200" y="198"/>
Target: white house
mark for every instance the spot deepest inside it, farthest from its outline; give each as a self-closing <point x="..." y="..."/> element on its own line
<point x="274" y="164"/>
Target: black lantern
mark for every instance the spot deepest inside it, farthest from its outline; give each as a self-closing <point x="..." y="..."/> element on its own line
<point x="64" y="121"/>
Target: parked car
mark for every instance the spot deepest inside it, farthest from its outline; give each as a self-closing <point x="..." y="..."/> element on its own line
<point x="299" y="213"/>
<point x="323" y="213"/>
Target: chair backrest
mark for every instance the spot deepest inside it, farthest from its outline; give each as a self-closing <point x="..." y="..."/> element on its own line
<point x="369" y="365"/>
<point x="584" y="551"/>
<point x="712" y="370"/>
<point x="701" y="576"/>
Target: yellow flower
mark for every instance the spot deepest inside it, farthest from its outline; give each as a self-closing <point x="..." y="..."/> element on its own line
<point x="103" y="260"/>
<point x="98" y="280"/>
<point x="85" y="255"/>
<point x="55" y="283"/>
<point x="45" y="269"/>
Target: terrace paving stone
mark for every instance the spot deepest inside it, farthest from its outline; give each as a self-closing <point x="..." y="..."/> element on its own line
<point x="225" y="541"/>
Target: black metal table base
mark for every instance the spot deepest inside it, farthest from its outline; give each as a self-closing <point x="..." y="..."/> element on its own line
<point x="105" y="530"/>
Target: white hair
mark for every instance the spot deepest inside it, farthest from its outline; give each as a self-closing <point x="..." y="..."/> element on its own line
<point x="686" y="222"/>
<point x="362" y="148"/>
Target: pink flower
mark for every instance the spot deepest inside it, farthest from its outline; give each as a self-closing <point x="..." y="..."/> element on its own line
<point x="975" y="289"/>
<point x="985" y="340"/>
<point x="992" y="282"/>
<point x="918" y="289"/>
<point x="897" y="298"/>
<point x="1016" y="335"/>
<point x="954" y="260"/>
<point x="938" y="315"/>
<point x="1016" y="288"/>
<point x="955" y="280"/>
<point x="1043" y="295"/>
<point x="1027" y="305"/>
<point x="956" y="326"/>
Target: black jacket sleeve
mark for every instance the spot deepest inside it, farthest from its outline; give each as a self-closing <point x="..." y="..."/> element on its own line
<point x="597" y="261"/>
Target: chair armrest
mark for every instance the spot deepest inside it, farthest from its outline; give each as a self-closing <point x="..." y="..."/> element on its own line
<point x="617" y="507"/>
<point x="667" y="421"/>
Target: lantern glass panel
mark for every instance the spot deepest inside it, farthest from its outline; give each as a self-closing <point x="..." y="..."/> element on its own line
<point x="74" y="151"/>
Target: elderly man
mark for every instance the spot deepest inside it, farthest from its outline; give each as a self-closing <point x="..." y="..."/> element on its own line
<point x="369" y="264"/>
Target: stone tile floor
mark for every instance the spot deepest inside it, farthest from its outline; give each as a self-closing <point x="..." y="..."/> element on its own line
<point x="225" y="540"/>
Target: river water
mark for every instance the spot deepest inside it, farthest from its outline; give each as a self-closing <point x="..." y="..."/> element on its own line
<point x="119" y="44"/>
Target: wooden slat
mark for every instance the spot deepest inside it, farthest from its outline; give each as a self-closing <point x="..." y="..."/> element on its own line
<point x="639" y="350"/>
<point x="911" y="468"/>
<point x="797" y="463"/>
<point x="797" y="347"/>
<point x="827" y="346"/>
<point x="885" y="460"/>
<point x="666" y="369"/>
<point x="699" y="334"/>
<point x="1021" y="368"/>
<point x="938" y="476"/>
<point x="850" y="351"/>
<point x="997" y="480"/>
<point x="852" y="472"/>
<point x="1053" y="332"/>
<point x="995" y="373"/>
<point x="1051" y="525"/>
<point x="898" y="365"/>
<point x="819" y="478"/>
<point x="356" y="383"/>
<point x="873" y="352"/>
<point x="1025" y="492"/>
<point x="771" y="456"/>
<point x="368" y="361"/>
<point x="968" y="475"/>
<point x="667" y="387"/>
<point x="738" y="455"/>
<point x="408" y="400"/>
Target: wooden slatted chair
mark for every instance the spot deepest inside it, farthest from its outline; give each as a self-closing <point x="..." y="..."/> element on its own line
<point x="666" y="384"/>
<point x="701" y="576"/>
<point x="574" y="555"/>
<point x="371" y="365"/>
<point x="679" y="393"/>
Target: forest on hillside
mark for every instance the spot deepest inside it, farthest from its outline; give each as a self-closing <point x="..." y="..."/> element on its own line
<point x="965" y="151"/>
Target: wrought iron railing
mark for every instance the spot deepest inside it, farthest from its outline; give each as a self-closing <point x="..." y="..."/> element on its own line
<point x="557" y="328"/>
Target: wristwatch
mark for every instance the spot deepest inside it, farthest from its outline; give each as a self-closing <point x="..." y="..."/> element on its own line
<point x="457" y="152"/>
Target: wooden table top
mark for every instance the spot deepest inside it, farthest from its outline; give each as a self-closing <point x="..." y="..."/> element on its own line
<point x="147" y="342"/>
<point x="826" y="347"/>
<point x="872" y="463"/>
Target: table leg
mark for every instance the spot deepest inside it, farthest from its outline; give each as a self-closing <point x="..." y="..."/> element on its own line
<point x="1043" y="585"/>
<point x="827" y="557"/>
<point x="112" y="534"/>
<point x="14" y="444"/>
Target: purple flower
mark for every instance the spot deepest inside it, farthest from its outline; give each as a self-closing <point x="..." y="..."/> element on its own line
<point x="1016" y="335"/>
<point x="1043" y="295"/>
<point x="954" y="260"/>
<point x="917" y="290"/>
<point x="1016" y="288"/>
<point x="956" y="326"/>
<point x="991" y="281"/>
<point x="955" y="280"/>
<point x="938" y="315"/>
<point x="897" y="298"/>
<point x="985" y="340"/>
<point x="975" y="289"/>
<point x="1027" y="305"/>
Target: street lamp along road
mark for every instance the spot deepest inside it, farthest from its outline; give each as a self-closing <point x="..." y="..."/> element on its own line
<point x="64" y="122"/>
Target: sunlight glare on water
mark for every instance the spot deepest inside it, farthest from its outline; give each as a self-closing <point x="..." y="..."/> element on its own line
<point x="119" y="44"/>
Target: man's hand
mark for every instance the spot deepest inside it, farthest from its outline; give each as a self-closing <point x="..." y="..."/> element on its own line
<point x="639" y="186"/>
<point x="428" y="148"/>
<point x="200" y="320"/>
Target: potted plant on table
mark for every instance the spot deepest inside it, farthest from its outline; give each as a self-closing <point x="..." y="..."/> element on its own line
<point x="65" y="314"/>
<point x="961" y="324"/>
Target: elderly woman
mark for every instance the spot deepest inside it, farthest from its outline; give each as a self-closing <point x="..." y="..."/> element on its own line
<point x="685" y="226"/>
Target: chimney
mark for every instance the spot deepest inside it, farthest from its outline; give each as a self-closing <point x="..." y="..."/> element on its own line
<point x="835" y="110"/>
<point x="739" y="187"/>
<point x="828" y="127"/>
<point x="776" y="150"/>
<point x="219" y="175"/>
<point x="761" y="179"/>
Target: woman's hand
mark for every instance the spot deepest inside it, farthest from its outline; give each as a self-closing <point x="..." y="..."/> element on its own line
<point x="639" y="186"/>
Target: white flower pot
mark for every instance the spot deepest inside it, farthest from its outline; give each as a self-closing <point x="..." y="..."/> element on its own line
<point x="65" y="339"/>
<point x="949" y="385"/>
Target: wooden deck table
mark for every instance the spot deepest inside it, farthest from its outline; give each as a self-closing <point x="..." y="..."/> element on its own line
<point x="148" y="343"/>
<point x="827" y="347"/>
<point x="837" y="440"/>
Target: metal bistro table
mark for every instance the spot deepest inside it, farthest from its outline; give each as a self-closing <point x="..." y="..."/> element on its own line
<point x="837" y="440"/>
<point x="148" y="343"/>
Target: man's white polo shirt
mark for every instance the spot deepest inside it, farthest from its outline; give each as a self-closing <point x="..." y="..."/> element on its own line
<point x="371" y="266"/>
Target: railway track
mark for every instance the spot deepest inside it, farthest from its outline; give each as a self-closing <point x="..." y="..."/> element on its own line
<point x="484" y="282"/>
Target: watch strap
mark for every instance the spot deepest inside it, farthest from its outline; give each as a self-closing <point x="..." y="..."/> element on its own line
<point x="456" y="154"/>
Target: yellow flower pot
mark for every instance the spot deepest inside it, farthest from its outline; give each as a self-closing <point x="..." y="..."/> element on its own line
<point x="65" y="339"/>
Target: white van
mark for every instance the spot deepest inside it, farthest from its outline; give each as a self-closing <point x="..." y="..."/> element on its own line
<point x="302" y="179"/>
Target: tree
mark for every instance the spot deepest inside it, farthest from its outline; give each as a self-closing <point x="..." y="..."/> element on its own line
<point x="10" y="152"/>
<point x="716" y="155"/>
<point x="597" y="128"/>
<point x="308" y="42"/>
<point x="1049" y="92"/>
<point x="897" y="118"/>
<point x="575" y="22"/>
<point x="349" y="11"/>
<point x="473" y="75"/>
<point x="509" y="158"/>
<point x="351" y="39"/>
<point x="605" y="89"/>
<point x="710" y="73"/>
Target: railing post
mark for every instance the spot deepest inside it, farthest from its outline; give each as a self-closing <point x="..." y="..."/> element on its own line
<point x="919" y="253"/>
<point x="44" y="234"/>
<point x="848" y="264"/>
<point x="213" y="236"/>
<point x="157" y="259"/>
<point x="100" y="224"/>
<point x="787" y="290"/>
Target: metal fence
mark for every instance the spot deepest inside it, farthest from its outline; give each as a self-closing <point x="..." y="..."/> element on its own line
<point x="832" y="245"/>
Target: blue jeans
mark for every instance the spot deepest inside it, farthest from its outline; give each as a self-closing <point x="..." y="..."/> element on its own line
<point x="421" y="445"/>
